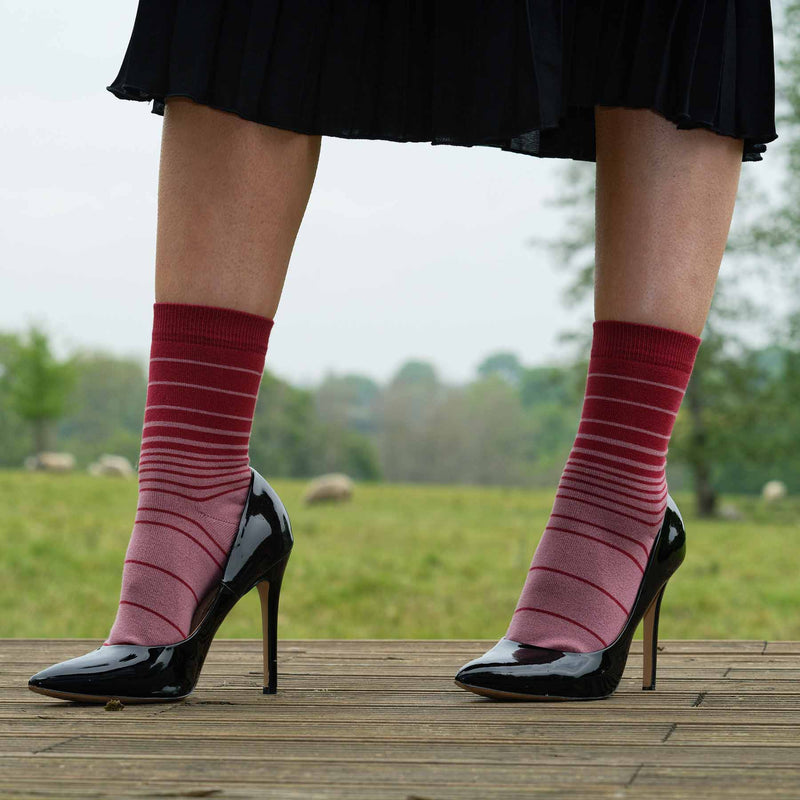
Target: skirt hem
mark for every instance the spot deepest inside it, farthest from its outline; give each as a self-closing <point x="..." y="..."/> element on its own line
<point x="753" y="147"/>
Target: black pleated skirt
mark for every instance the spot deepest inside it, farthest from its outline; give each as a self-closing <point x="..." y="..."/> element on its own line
<point x="521" y="75"/>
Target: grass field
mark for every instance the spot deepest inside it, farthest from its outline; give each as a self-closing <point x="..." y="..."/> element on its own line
<point x="399" y="561"/>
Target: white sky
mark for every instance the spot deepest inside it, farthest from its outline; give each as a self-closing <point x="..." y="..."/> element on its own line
<point x="406" y="250"/>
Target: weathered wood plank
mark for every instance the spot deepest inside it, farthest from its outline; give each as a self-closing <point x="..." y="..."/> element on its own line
<point x="573" y="734"/>
<point x="386" y="751"/>
<point x="274" y="790"/>
<point x="313" y="771"/>
<point x="229" y="725"/>
<point x="753" y="735"/>
<point x="554" y="732"/>
<point x="71" y="723"/>
<point x="679" y="776"/>
<point x="783" y="702"/>
<point x="775" y="648"/>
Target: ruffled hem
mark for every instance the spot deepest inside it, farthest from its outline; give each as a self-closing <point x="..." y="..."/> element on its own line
<point x="520" y="75"/>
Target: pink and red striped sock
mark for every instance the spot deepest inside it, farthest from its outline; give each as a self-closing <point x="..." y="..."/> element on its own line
<point x="206" y="364"/>
<point x="611" y="496"/>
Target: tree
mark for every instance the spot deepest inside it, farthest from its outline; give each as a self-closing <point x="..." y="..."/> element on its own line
<point x="109" y="402"/>
<point x="497" y="439"/>
<point x="504" y="365"/>
<point x="349" y="401"/>
<point x="562" y="385"/>
<point x="15" y="437"/>
<point x="347" y="409"/>
<point x="285" y="427"/>
<point x="407" y="406"/>
<point x="40" y="386"/>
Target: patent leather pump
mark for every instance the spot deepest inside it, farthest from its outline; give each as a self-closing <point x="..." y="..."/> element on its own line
<point x="516" y="671"/>
<point x="159" y="673"/>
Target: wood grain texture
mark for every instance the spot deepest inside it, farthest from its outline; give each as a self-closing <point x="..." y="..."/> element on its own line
<point x="383" y="720"/>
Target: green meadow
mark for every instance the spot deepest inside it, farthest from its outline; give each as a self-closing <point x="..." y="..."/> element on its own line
<point x="398" y="561"/>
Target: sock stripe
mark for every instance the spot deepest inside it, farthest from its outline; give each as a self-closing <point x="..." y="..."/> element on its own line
<point x="602" y="456"/>
<point x="184" y="517"/>
<point x="184" y="456"/>
<point x="206" y="468"/>
<point x="583" y="472"/>
<point x="630" y="402"/>
<point x="198" y="411"/>
<point x="156" y="524"/>
<point x="631" y="539"/>
<point x="587" y="582"/>
<point x="634" y="460"/>
<point x="190" y="473"/>
<point x="153" y="611"/>
<point x="622" y="443"/>
<point x="200" y="386"/>
<point x="661" y="495"/>
<point x="197" y="449"/>
<point x="614" y="495"/>
<point x="599" y="541"/>
<point x="612" y="509"/>
<point x="167" y="482"/>
<point x="566" y="619"/>
<point x="199" y="428"/>
<point x="194" y="442"/>
<point x="617" y="473"/>
<point x="680" y="389"/>
<point x="192" y="497"/>
<point x="627" y="427"/>
<point x="187" y="469"/>
<point x="207" y="364"/>
<point x="166" y="572"/>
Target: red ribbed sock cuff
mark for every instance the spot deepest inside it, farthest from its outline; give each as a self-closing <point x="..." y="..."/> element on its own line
<point x="211" y="325"/>
<point x="636" y="341"/>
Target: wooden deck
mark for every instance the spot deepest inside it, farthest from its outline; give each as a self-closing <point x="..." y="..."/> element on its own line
<point x="383" y="719"/>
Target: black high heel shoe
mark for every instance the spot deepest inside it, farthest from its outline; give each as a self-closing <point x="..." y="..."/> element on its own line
<point x="159" y="673"/>
<point x="516" y="671"/>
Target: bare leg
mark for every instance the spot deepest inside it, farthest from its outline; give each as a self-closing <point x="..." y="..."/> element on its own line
<point x="231" y="196"/>
<point x="665" y="200"/>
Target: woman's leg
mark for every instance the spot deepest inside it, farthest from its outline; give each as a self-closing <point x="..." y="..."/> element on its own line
<point x="232" y="194"/>
<point x="665" y="200"/>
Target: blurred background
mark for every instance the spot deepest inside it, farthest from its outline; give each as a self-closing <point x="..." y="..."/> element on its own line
<point x="431" y="345"/>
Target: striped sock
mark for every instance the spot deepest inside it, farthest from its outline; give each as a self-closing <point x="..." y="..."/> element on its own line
<point x="205" y="370"/>
<point x="611" y="496"/>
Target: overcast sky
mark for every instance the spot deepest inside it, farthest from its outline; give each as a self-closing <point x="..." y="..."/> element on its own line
<point x="406" y="250"/>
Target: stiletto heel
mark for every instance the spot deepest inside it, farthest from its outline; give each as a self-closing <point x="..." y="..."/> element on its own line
<point x="269" y="591"/>
<point x="650" y="643"/>
<point x="159" y="673"/>
<point x="518" y="671"/>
